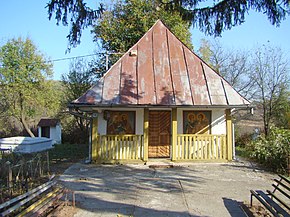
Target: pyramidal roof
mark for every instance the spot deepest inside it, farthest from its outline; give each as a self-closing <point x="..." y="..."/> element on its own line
<point x="159" y="70"/>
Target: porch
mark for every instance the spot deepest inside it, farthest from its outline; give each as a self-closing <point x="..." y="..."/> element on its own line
<point x="132" y="148"/>
<point x="159" y="137"/>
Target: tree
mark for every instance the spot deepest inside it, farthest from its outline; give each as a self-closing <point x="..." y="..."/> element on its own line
<point x="121" y="27"/>
<point x="281" y="113"/>
<point x="81" y="77"/>
<point x="233" y="65"/>
<point x="211" y="17"/>
<point x="271" y="76"/>
<point x="262" y="76"/>
<point x="23" y="84"/>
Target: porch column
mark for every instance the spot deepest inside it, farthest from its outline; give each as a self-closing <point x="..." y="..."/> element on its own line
<point x="229" y="135"/>
<point x="146" y="133"/>
<point x="174" y="133"/>
<point x="94" y="139"/>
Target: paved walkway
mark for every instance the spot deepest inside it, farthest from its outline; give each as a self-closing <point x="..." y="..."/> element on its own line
<point x="184" y="190"/>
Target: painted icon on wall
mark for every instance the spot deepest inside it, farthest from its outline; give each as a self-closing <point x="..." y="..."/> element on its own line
<point x="196" y="122"/>
<point x="121" y="122"/>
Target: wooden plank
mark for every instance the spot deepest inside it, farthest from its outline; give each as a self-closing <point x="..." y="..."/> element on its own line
<point x="124" y="143"/>
<point x="174" y="133"/>
<point x="282" y="190"/>
<point x="257" y="196"/>
<point x="195" y="147"/>
<point x="128" y="89"/>
<point x="113" y="153"/>
<point x="213" y="155"/>
<point x="178" y="67"/>
<point x="190" y="147"/>
<point x="132" y="147"/>
<point x="161" y="66"/>
<point x="95" y="142"/>
<point x="186" y="147"/>
<point x="229" y="135"/>
<point x="206" y="147"/>
<point x="118" y="145"/>
<point x="48" y="204"/>
<point x="197" y="80"/>
<point x="284" y="178"/>
<point x="272" y="203"/>
<point x="279" y="199"/>
<point x="112" y="140"/>
<point x="20" y="197"/>
<point x="42" y="200"/>
<point x="178" y="147"/>
<point x="218" y="147"/>
<point x="279" y="182"/>
<point x="202" y="147"/>
<point x="224" y="148"/>
<point x="182" y="148"/>
<point x="146" y="133"/>
<point x="26" y="200"/>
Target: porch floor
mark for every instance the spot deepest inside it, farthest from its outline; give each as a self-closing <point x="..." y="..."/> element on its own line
<point x="186" y="189"/>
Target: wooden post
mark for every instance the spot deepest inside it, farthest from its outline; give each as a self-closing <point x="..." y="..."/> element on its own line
<point x="47" y="160"/>
<point x="95" y="144"/>
<point x="229" y="135"/>
<point x="9" y="177"/>
<point x="288" y="164"/>
<point x="146" y="133"/>
<point x="174" y="133"/>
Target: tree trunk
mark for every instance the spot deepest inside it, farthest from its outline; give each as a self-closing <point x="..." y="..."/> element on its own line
<point x="26" y="127"/>
<point x="22" y="117"/>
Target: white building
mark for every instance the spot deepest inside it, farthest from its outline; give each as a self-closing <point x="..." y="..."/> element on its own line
<point x="50" y="128"/>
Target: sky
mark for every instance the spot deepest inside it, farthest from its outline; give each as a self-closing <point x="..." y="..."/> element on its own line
<point x="29" y="18"/>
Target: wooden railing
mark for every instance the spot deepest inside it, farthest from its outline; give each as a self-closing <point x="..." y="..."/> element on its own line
<point x="120" y="147"/>
<point x="201" y="147"/>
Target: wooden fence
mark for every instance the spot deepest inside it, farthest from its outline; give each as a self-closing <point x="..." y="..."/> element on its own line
<point x="119" y="147"/>
<point x="18" y="177"/>
<point x="201" y="147"/>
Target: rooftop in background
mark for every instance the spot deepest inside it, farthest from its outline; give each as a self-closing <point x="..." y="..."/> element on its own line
<point x="48" y="122"/>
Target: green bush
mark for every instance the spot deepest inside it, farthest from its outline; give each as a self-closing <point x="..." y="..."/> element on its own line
<point x="273" y="150"/>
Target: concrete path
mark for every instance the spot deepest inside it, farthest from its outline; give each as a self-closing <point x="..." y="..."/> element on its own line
<point x="184" y="190"/>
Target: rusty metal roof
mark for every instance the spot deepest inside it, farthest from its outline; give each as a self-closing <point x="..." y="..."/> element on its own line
<point x="159" y="70"/>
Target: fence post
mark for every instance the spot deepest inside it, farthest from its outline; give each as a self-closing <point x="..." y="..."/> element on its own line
<point x="47" y="159"/>
<point x="40" y="168"/>
<point x="9" y="177"/>
<point x="289" y="164"/>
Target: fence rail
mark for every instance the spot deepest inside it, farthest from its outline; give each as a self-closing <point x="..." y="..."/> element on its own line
<point x="120" y="147"/>
<point x="18" y="176"/>
<point x="201" y="147"/>
<point x="188" y="147"/>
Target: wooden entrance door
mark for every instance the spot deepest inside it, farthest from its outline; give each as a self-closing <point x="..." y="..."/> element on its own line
<point x="159" y="134"/>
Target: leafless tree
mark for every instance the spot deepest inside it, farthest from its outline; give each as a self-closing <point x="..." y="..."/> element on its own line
<point x="270" y="72"/>
<point x="233" y="65"/>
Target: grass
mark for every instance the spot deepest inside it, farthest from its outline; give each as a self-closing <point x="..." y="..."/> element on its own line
<point x="69" y="152"/>
<point x="242" y="152"/>
<point x="64" y="155"/>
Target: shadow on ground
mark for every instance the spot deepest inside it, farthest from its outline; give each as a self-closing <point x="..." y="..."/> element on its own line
<point x="137" y="190"/>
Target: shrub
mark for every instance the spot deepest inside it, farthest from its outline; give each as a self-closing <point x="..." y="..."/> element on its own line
<point x="273" y="150"/>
